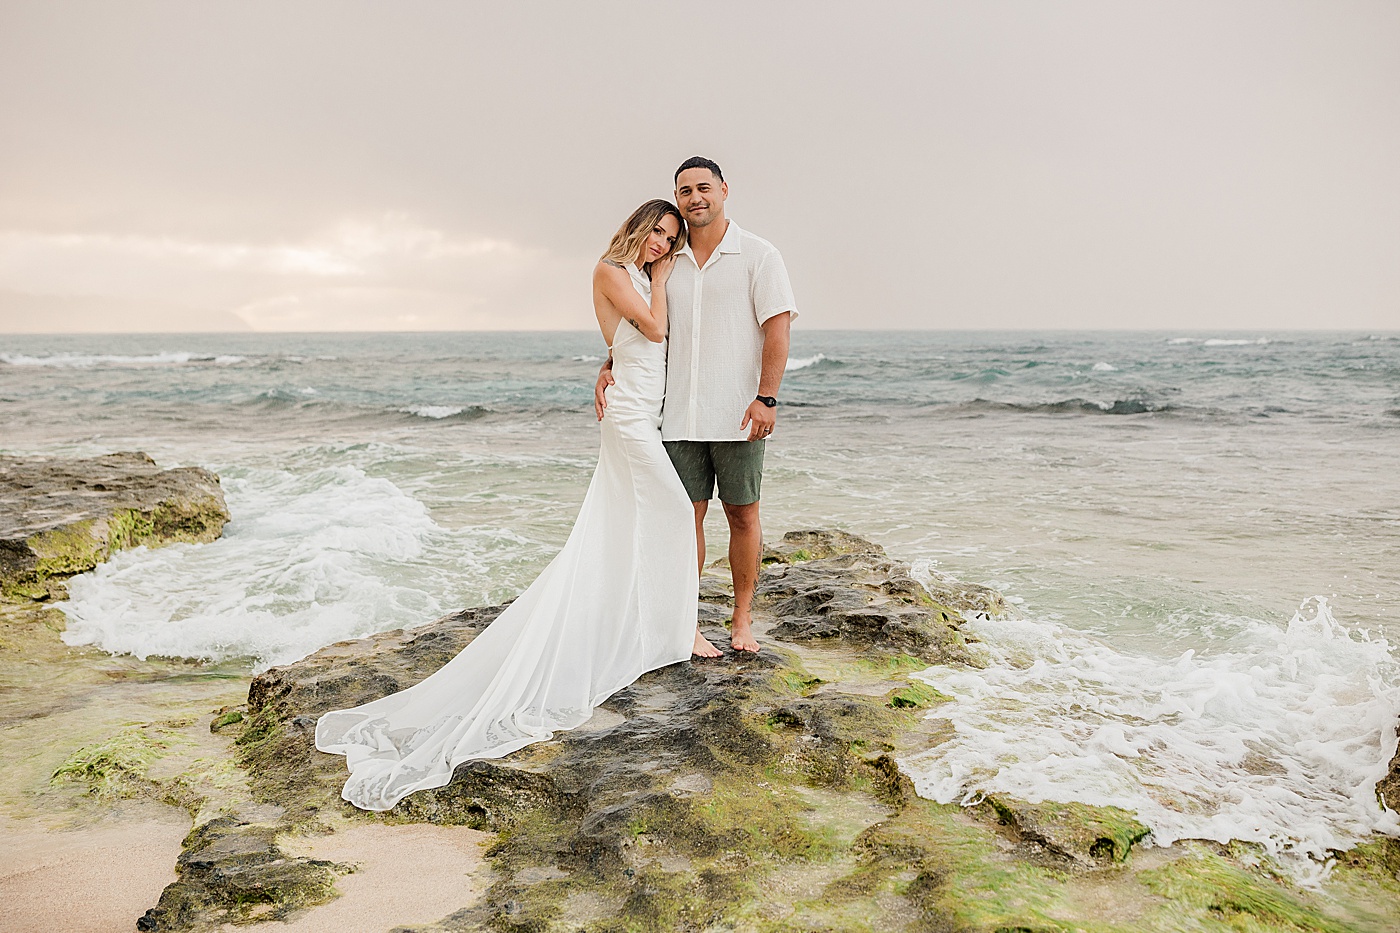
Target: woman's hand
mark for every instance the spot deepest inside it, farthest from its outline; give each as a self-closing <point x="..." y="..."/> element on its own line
<point x="661" y="269"/>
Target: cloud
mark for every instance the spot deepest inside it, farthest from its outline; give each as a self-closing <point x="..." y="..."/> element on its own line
<point x="23" y="313"/>
<point x="1079" y="164"/>
<point x="349" y="308"/>
<point x="381" y="273"/>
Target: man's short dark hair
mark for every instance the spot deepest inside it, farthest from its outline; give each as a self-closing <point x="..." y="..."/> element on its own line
<point x="700" y="162"/>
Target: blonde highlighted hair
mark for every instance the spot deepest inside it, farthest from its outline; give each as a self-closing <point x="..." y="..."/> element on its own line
<point x="627" y="242"/>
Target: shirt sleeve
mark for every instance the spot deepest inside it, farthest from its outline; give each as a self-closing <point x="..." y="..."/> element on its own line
<point x="772" y="292"/>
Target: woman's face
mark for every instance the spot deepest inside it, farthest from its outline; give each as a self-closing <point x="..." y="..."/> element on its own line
<point x="661" y="239"/>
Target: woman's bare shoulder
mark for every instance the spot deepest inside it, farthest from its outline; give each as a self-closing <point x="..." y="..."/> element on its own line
<point x="608" y="271"/>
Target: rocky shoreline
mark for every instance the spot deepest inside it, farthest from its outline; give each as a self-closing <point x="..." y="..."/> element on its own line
<point x="750" y="793"/>
<point x="64" y="517"/>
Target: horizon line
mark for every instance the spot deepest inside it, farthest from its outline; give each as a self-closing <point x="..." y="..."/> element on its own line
<point x="585" y="330"/>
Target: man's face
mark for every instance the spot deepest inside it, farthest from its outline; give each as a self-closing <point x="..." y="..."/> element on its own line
<point x="700" y="196"/>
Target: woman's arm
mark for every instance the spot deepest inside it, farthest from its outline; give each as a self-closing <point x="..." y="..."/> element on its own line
<point x="616" y="285"/>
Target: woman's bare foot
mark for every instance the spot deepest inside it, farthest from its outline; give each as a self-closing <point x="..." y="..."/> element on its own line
<point x="741" y="634"/>
<point x="703" y="648"/>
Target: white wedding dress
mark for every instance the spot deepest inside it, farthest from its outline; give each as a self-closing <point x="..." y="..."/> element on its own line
<point x="617" y="601"/>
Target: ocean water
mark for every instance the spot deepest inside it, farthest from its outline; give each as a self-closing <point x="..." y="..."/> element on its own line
<point x="1200" y="532"/>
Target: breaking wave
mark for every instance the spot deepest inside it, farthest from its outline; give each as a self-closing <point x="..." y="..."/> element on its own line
<point x="309" y="559"/>
<point x="88" y="360"/>
<point x="446" y="412"/>
<point x="1274" y="735"/>
<point x="803" y="362"/>
<point x="1069" y="406"/>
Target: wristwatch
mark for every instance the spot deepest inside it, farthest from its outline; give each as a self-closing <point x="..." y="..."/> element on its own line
<point x="768" y="400"/>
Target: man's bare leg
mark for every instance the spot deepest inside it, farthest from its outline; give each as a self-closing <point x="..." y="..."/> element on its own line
<point x="703" y="648"/>
<point x="700" y="509"/>
<point x="745" y="545"/>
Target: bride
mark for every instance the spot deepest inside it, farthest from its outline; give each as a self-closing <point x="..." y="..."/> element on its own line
<point x="617" y="601"/>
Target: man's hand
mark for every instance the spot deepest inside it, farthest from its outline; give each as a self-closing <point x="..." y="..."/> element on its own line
<point x="605" y="379"/>
<point x="759" y="419"/>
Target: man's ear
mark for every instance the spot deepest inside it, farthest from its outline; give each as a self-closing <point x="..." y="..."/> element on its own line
<point x="724" y="190"/>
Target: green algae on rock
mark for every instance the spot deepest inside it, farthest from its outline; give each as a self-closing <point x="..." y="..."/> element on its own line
<point x="754" y="793"/>
<point x="1240" y="899"/>
<point x="831" y="585"/>
<point x="1388" y="787"/>
<point x="233" y="870"/>
<point x="1076" y="831"/>
<point x="757" y="791"/>
<point x="117" y="766"/>
<point x="63" y="517"/>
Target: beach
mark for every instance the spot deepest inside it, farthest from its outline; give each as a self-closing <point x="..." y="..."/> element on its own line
<point x="1195" y="533"/>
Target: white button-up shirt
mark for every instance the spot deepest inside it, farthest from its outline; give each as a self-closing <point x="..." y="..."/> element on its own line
<point x="716" y="339"/>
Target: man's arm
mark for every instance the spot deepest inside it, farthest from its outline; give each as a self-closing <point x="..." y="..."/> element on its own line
<point x="605" y="379"/>
<point x="777" y="334"/>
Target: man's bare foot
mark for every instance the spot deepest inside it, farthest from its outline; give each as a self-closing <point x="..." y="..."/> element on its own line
<point x="741" y="634"/>
<point x="703" y="648"/>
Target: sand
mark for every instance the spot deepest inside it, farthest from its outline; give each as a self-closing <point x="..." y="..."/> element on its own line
<point x="98" y="878"/>
<point x="101" y="877"/>
<point x="406" y="875"/>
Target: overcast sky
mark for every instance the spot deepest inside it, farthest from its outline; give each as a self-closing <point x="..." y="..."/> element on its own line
<point x="408" y="165"/>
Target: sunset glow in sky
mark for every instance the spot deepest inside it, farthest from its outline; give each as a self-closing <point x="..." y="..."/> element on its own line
<point x="343" y="165"/>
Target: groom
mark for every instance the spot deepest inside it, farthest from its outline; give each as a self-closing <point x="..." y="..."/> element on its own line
<point x="730" y="314"/>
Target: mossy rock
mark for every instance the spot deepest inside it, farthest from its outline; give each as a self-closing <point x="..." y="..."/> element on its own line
<point x="859" y="600"/>
<point x="800" y="546"/>
<point x="916" y="695"/>
<point x="229" y="716"/>
<point x="64" y="517"/>
<point x="231" y="870"/>
<point x="1085" y="834"/>
<point x="1240" y="899"/>
<point x="702" y="783"/>
<point x="1388" y="787"/>
<point x="754" y="793"/>
<point x="114" y="767"/>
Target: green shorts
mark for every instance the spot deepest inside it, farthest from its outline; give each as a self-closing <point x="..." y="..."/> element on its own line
<point x="736" y="465"/>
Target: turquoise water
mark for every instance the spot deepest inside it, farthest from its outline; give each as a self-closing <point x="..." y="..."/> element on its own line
<point x="1230" y="499"/>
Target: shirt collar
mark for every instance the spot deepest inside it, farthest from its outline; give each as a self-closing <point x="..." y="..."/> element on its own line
<point x="730" y="243"/>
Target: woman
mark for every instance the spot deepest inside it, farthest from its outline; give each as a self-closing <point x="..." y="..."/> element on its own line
<point x="617" y="601"/>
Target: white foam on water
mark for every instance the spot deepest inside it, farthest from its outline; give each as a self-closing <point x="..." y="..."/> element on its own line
<point x="802" y="362"/>
<point x="1276" y="735"/>
<point x="86" y="360"/>
<point x="433" y="411"/>
<point x="1221" y="342"/>
<point x="308" y="560"/>
<point x="586" y="358"/>
<point x="1105" y="368"/>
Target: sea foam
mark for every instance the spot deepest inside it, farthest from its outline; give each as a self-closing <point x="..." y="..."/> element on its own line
<point x="1277" y="738"/>
<point x="802" y="362"/>
<point x="435" y="412"/>
<point x="309" y="559"/>
<point x="87" y="360"/>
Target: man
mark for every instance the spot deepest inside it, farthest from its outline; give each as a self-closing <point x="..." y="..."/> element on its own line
<point x="730" y="314"/>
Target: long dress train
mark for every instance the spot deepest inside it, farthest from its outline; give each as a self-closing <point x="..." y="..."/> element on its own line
<point x="617" y="601"/>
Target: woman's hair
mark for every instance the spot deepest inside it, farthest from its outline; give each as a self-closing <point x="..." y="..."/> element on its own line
<point x="627" y="242"/>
